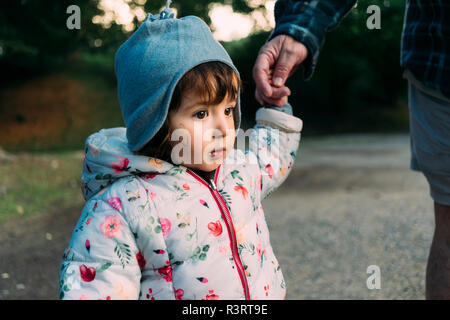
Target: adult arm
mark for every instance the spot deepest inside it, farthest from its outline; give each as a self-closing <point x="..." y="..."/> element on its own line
<point x="298" y="37"/>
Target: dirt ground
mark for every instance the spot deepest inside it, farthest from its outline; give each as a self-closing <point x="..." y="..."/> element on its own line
<point x="350" y="202"/>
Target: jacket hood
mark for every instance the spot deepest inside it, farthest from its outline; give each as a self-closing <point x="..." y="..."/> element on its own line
<point x="150" y="64"/>
<point x="108" y="158"/>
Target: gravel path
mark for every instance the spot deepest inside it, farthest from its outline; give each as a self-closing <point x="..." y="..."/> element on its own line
<point x="350" y="202"/>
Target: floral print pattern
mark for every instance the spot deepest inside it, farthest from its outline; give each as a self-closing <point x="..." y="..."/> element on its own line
<point x="165" y="226"/>
<point x="215" y="228"/>
<point x="111" y="226"/>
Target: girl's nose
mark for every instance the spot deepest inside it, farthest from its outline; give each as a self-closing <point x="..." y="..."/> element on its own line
<point x="221" y="125"/>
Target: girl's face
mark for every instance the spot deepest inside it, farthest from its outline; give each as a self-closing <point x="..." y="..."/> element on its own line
<point x="207" y="132"/>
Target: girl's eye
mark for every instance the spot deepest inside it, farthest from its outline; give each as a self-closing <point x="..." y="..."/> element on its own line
<point x="200" y="114"/>
<point x="228" y="111"/>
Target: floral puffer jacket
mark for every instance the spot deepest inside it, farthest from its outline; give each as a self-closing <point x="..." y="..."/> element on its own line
<point x="153" y="230"/>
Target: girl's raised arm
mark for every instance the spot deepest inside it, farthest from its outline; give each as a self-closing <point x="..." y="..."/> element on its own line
<point x="273" y="145"/>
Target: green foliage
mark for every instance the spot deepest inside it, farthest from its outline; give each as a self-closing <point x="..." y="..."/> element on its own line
<point x="357" y="85"/>
<point x="199" y="8"/>
<point x="34" y="36"/>
<point x="358" y="76"/>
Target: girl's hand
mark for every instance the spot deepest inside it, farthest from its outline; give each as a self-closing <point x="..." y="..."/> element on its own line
<point x="284" y="99"/>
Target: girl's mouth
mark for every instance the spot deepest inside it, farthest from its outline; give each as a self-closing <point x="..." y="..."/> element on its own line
<point x="217" y="153"/>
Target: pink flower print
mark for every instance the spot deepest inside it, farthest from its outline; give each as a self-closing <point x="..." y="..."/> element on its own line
<point x="152" y="195"/>
<point x="215" y="228"/>
<point x="186" y="186"/>
<point x="116" y="203"/>
<point x="259" y="251"/>
<point x="266" y="289"/>
<point x="202" y="279"/>
<point x="165" y="226"/>
<point x="111" y="226"/>
<point x="269" y="170"/>
<point x="120" y="166"/>
<point x="151" y="295"/>
<point x="87" y="244"/>
<point x="211" y="296"/>
<point x="141" y="260"/>
<point x="166" y="272"/>
<point x="87" y="274"/>
<point x="203" y="202"/>
<point x="149" y="175"/>
<point x="241" y="189"/>
<point x="179" y="294"/>
<point x="88" y="221"/>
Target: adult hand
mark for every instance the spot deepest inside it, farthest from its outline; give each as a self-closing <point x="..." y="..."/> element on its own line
<point x="277" y="60"/>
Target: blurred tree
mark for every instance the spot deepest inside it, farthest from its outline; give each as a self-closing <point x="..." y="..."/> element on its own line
<point x="199" y="8"/>
<point x="357" y="85"/>
<point x="34" y="36"/>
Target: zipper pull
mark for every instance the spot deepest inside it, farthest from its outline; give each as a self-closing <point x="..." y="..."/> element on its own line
<point x="212" y="184"/>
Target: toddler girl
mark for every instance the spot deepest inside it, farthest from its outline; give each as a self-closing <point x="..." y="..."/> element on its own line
<point x="172" y="210"/>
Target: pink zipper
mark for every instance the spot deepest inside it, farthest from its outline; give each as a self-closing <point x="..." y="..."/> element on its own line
<point x="229" y="223"/>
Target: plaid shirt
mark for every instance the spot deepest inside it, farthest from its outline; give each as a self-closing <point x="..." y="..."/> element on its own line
<point x="425" y="40"/>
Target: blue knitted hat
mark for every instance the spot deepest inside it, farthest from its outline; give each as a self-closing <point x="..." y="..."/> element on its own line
<point x="150" y="63"/>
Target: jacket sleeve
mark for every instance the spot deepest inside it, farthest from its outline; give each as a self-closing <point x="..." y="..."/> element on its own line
<point x="101" y="259"/>
<point x="273" y="145"/>
<point x="308" y="22"/>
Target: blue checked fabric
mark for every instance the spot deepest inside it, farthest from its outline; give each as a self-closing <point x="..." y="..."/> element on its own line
<point x="425" y="38"/>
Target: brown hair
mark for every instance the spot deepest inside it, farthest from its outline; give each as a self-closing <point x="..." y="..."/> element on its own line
<point x="213" y="82"/>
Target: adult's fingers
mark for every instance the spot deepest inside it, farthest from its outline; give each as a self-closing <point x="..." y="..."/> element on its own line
<point x="263" y="100"/>
<point x="258" y="97"/>
<point x="278" y="93"/>
<point x="283" y="68"/>
<point x="262" y="72"/>
<point x="291" y="55"/>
